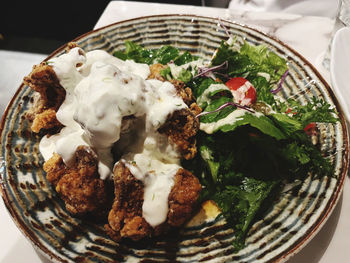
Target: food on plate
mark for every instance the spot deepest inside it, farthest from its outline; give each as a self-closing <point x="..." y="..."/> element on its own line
<point x="170" y="130"/>
<point x="126" y="219"/>
<point x="112" y="115"/>
<point x="79" y="185"/>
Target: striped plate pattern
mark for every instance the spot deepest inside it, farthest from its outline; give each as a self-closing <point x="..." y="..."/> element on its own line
<point x="291" y="222"/>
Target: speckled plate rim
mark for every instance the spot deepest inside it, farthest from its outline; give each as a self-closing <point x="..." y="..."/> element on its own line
<point x="282" y="257"/>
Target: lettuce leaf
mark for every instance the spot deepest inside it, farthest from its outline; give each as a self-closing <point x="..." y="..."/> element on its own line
<point x="262" y="123"/>
<point x="258" y="64"/>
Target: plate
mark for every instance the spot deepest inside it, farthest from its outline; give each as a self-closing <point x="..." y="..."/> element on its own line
<point x="339" y="69"/>
<point x="287" y="227"/>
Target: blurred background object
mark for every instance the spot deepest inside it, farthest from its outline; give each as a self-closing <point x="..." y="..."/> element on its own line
<point x="325" y="8"/>
<point x="43" y="26"/>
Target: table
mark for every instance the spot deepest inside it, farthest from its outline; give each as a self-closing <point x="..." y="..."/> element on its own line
<point x="308" y="35"/>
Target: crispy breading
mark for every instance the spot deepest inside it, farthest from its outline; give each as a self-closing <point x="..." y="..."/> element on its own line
<point x="125" y="218"/>
<point x="155" y="70"/>
<point x="55" y="169"/>
<point x="181" y="128"/>
<point x="79" y="185"/>
<point x="45" y="120"/>
<point x="183" y="197"/>
<point x="44" y="80"/>
<point x="71" y="45"/>
<point x="184" y="92"/>
<point x="195" y="109"/>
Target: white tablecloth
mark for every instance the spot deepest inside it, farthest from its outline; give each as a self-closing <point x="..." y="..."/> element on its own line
<point x="308" y="35"/>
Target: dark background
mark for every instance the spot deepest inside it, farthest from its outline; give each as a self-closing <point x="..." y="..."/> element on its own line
<point x="43" y="26"/>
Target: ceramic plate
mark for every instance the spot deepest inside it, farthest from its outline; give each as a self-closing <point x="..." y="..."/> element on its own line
<point x="291" y="222"/>
<point x="340" y="55"/>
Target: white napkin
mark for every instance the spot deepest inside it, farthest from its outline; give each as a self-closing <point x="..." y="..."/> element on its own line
<point x="340" y="68"/>
<point x="326" y="8"/>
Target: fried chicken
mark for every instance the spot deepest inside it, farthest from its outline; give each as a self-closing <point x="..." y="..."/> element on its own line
<point x="155" y="70"/>
<point x="125" y="219"/>
<point x="181" y="128"/>
<point x="184" y="92"/>
<point x="44" y="80"/>
<point x="79" y="186"/>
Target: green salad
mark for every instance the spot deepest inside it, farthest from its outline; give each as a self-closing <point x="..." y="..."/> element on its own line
<point x="250" y="143"/>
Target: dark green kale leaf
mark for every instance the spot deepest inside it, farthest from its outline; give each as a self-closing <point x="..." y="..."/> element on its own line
<point x="302" y="157"/>
<point x="214" y="104"/>
<point x="199" y="85"/>
<point x="236" y="176"/>
<point x="184" y="58"/>
<point x="262" y="123"/>
<point x="163" y="55"/>
<point x="241" y="203"/>
<point x="263" y="88"/>
<point x="136" y="52"/>
<point x="242" y="170"/>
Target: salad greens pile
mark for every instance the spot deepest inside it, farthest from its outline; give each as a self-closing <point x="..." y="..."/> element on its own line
<point x="244" y="161"/>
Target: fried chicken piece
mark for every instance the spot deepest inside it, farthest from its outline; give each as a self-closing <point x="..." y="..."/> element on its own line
<point x="155" y="70"/>
<point x="125" y="219"/>
<point x="71" y="45"/>
<point x="44" y="80"/>
<point x="181" y="128"/>
<point x="45" y="120"/>
<point x="195" y="109"/>
<point x="79" y="186"/>
<point x="183" y="197"/>
<point x="55" y="169"/>
<point x="184" y="92"/>
<point x="187" y="96"/>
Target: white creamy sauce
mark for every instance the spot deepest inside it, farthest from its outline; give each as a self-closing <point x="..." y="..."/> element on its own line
<point x="205" y="96"/>
<point x="192" y="66"/>
<point x="100" y="91"/>
<point x="234" y="116"/>
<point x="265" y="75"/>
<point x="163" y="102"/>
<point x="156" y="167"/>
